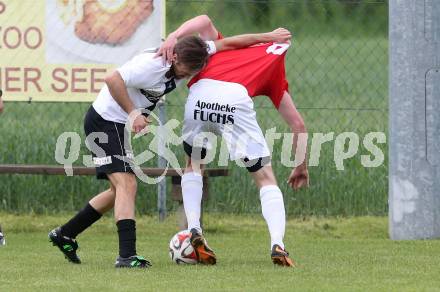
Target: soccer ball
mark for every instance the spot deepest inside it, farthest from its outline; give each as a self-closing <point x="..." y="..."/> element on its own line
<point x="181" y="250"/>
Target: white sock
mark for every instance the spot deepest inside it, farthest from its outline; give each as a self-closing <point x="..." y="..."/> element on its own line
<point x="192" y="190"/>
<point x="272" y="206"/>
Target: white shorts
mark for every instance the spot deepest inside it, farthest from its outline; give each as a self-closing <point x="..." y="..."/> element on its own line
<point x="223" y="109"/>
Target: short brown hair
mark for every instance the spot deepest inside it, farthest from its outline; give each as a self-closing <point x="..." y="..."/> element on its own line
<point x="192" y="51"/>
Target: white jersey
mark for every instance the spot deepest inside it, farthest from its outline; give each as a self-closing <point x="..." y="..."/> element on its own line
<point x="225" y="109"/>
<point x="144" y="77"/>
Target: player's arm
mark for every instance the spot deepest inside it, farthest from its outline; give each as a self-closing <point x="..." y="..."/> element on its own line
<point x="118" y="90"/>
<point x="299" y="176"/>
<point x="280" y="35"/>
<point x="201" y="25"/>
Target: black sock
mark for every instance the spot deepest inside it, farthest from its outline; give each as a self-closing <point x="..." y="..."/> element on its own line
<point x="127" y="237"/>
<point x="80" y="222"/>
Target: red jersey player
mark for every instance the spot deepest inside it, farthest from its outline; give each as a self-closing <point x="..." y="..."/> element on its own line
<point x="220" y="102"/>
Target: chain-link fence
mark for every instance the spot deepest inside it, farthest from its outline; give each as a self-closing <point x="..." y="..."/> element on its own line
<point x="338" y="75"/>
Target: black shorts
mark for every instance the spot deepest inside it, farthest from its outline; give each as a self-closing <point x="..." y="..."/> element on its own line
<point x="105" y="139"/>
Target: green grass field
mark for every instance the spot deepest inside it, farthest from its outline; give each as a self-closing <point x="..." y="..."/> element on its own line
<point x="332" y="254"/>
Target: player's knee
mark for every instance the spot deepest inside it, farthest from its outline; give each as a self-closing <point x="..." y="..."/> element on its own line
<point x="188" y="166"/>
<point x="195" y="167"/>
<point x="264" y="176"/>
<point x="126" y="184"/>
<point x="131" y="185"/>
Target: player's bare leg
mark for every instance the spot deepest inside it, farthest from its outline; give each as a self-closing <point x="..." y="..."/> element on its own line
<point x="192" y="190"/>
<point x="104" y="201"/>
<point x="272" y="206"/>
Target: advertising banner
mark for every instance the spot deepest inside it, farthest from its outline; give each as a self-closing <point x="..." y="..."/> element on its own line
<point x="60" y="50"/>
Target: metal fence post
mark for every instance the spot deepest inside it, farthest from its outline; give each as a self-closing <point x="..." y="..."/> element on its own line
<point x="414" y="170"/>
<point x="161" y="163"/>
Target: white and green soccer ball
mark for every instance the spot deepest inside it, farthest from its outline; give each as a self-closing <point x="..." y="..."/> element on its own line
<point x="181" y="250"/>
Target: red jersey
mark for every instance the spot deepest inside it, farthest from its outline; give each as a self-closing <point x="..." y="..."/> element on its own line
<point x="260" y="69"/>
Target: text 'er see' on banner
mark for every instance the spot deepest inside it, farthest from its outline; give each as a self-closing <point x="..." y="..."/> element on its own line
<point x="61" y="50"/>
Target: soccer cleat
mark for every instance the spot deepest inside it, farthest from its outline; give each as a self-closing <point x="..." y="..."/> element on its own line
<point x="68" y="246"/>
<point x="205" y="255"/>
<point x="281" y="257"/>
<point x="132" y="262"/>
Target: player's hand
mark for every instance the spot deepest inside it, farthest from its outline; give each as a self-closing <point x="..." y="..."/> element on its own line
<point x="299" y="177"/>
<point x="140" y="123"/>
<point x="166" y="50"/>
<point x="280" y="35"/>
